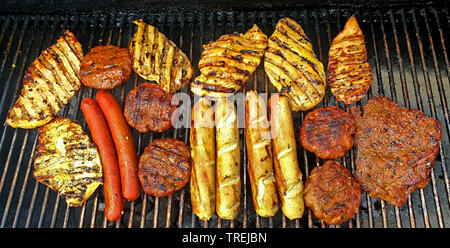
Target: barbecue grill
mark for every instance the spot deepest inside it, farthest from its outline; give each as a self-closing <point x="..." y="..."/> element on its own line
<point x="407" y="50"/>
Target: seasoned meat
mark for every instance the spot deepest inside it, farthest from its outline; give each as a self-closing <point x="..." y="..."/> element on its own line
<point x="49" y="83"/>
<point x="328" y="132"/>
<point x="150" y="108"/>
<point x="164" y="167"/>
<point x="67" y="161"/>
<point x="156" y="58"/>
<point x="292" y="66"/>
<point x="105" y="67"/>
<point x="332" y="193"/>
<point x="227" y="63"/>
<point x="349" y="74"/>
<point x="396" y="148"/>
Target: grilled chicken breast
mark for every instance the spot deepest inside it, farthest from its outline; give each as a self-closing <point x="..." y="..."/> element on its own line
<point x="349" y="74"/>
<point x="227" y="63"/>
<point x="67" y="161"/>
<point x="292" y="66"/>
<point x="158" y="59"/>
<point x="49" y="83"/>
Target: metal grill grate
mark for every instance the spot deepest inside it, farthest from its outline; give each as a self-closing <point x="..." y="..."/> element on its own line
<point x="410" y="64"/>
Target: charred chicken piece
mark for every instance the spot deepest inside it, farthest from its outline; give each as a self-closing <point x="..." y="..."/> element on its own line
<point x="227" y="63"/>
<point x="292" y="66"/>
<point x="67" y="161"/>
<point x="156" y="58"/>
<point x="349" y="74"/>
<point x="49" y="83"/>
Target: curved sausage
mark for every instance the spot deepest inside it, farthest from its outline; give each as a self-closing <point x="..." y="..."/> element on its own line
<point x="123" y="140"/>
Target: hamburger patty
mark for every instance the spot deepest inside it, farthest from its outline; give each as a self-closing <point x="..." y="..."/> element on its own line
<point x="106" y="67"/>
<point x="150" y="108"/>
<point x="332" y="193"/>
<point x="396" y="148"/>
<point x="328" y="132"/>
<point x="164" y="167"/>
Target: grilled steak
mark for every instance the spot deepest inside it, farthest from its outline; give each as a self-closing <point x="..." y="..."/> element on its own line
<point x="292" y="66"/>
<point x="328" y="132"/>
<point x="227" y="63"/>
<point x="396" y="148"/>
<point x="164" y="167"/>
<point x="67" y="161"/>
<point x="349" y="74"/>
<point x="158" y="59"/>
<point x="332" y="193"/>
<point x="105" y="67"/>
<point x="49" y="83"/>
<point x="149" y="108"/>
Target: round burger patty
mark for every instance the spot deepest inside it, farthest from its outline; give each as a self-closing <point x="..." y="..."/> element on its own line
<point x="164" y="167"/>
<point x="106" y="67"/>
<point x="328" y="132"/>
<point x="332" y="193"/>
<point x="150" y="108"/>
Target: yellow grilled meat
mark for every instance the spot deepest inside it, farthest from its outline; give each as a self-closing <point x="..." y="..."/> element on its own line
<point x="67" y="161"/>
<point x="158" y="59"/>
<point x="349" y="74"/>
<point x="292" y="66"/>
<point x="49" y="83"/>
<point x="227" y="63"/>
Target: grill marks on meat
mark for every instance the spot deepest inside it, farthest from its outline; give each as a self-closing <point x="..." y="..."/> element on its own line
<point x="158" y="59"/>
<point x="49" y="83"/>
<point x="349" y="74"/>
<point x="164" y="167"/>
<point x="332" y="193"/>
<point x="328" y="132"/>
<point x="396" y="149"/>
<point x="149" y="108"/>
<point x="106" y="67"/>
<point x="227" y="63"/>
<point x="67" y="161"/>
<point x="292" y="66"/>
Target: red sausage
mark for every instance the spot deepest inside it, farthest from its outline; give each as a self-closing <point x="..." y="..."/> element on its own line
<point x="123" y="140"/>
<point x="108" y="155"/>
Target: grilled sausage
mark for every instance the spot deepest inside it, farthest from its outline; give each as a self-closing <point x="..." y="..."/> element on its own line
<point x="102" y="138"/>
<point x="228" y="180"/>
<point x="124" y="143"/>
<point x="287" y="171"/>
<point x="203" y="154"/>
<point x="259" y="150"/>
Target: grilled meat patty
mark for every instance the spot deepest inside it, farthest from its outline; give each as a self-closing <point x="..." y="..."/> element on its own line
<point x="158" y="59"/>
<point x="227" y="63"/>
<point x="396" y="149"/>
<point x="150" y="108"/>
<point x="349" y="74"/>
<point x="292" y="66"/>
<point x="67" y="161"/>
<point x="106" y="67"/>
<point x="328" y="132"/>
<point x="164" y="167"/>
<point x="49" y="83"/>
<point x="332" y="193"/>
